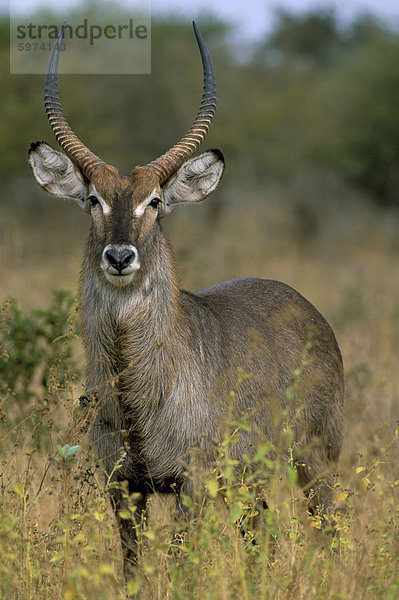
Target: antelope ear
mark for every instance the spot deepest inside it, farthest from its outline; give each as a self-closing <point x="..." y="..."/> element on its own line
<point x="56" y="173"/>
<point x="195" y="180"/>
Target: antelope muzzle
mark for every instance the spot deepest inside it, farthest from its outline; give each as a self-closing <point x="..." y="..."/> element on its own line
<point x="119" y="263"/>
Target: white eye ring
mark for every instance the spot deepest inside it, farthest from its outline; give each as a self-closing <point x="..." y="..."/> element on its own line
<point x="94" y="198"/>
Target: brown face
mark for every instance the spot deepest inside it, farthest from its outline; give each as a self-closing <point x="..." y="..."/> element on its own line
<point x="125" y="211"/>
<point x="125" y="242"/>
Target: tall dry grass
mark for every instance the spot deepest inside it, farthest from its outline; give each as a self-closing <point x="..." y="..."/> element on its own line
<point x="57" y="534"/>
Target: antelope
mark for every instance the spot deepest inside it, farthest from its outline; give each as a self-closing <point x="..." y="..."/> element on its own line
<point x="161" y="361"/>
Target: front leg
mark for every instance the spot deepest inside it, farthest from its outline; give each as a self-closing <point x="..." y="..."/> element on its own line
<point x="129" y="507"/>
<point x="191" y="499"/>
<point x="109" y="433"/>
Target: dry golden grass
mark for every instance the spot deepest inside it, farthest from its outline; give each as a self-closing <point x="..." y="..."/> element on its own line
<point x="57" y="534"/>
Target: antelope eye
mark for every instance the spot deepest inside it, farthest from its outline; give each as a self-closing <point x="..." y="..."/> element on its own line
<point x="93" y="200"/>
<point x="154" y="202"/>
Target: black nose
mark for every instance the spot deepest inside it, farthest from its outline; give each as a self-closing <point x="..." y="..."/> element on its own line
<point x="120" y="260"/>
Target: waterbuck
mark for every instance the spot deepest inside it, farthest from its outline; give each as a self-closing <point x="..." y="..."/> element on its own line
<point x="161" y="361"/>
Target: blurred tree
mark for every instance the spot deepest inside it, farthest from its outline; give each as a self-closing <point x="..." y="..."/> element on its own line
<point x="313" y="38"/>
<point x="367" y="149"/>
<point x="341" y="118"/>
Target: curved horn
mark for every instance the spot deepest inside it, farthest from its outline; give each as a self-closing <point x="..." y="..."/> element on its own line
<point x="76" y="150"/>
<point x="168" y="163"/>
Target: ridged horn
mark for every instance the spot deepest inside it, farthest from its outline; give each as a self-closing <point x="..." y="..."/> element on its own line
<point x="168" y="163"/>
<point x="76" y="150"/>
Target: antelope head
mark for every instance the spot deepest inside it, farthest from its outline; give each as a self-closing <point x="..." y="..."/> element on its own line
<point x="126" y="210"/>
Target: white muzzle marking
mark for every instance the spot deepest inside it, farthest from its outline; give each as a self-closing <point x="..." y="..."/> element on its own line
<point x="120" y="263"/>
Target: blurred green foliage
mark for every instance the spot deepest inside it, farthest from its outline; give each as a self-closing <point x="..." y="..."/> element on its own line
<point x="313" y="97"/>
<point x="34" y="345"/>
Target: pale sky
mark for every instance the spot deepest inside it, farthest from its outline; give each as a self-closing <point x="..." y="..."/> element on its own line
<point x="256" y="16"/>
<point x="252" y="18"/>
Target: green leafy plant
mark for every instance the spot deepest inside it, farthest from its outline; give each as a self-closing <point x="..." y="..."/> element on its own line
<point x="34" y="347"/>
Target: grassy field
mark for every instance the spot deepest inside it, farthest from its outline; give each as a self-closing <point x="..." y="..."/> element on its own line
<point x="58" y="537"/>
